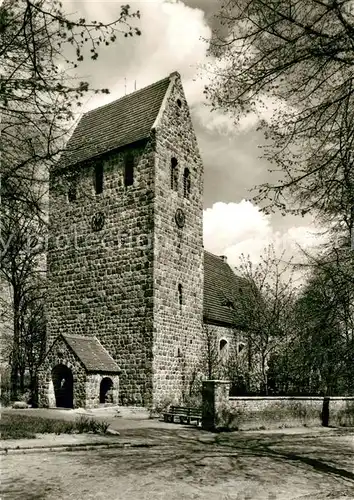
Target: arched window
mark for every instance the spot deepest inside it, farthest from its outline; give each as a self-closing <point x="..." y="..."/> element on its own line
<point x="129" y="170"/>
<point x="179" y="103"/>
<point x="99" y="178"/>
<point x="186" y="183"/>
<point x="174" y="174"/>
<point x="180" y="294"/>
<point x="106" y="390"/>
<point x="223" y="350"/>
<point x="223" y="346"/>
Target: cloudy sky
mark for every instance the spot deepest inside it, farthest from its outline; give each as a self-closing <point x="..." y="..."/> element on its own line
<point x="173" y="34"/>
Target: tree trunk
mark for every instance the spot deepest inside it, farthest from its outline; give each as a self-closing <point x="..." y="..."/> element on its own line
<point x="34" y="389"/>
<point x="22" y="378"/>
<point x="264" y="376"/>
<point x="15" y="344"/>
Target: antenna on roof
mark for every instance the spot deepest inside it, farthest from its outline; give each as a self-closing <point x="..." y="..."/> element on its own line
<point x="125" y="86"/>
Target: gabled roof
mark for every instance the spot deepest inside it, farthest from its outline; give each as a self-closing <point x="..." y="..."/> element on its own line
<point x="222" y="287"/>
<point x="117" y="124"/>
<point x="92" y="354"/>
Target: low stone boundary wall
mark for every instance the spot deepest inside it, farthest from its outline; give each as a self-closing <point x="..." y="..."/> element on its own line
<point x="268" y="412"/>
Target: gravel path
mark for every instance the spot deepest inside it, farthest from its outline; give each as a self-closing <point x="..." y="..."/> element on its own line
<point x="191" y="464"/>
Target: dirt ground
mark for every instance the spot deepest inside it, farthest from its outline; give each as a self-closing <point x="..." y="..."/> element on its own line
<point x="187" y="463"/>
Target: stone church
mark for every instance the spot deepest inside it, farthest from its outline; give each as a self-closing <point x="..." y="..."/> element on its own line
<point x="130" y="285"/>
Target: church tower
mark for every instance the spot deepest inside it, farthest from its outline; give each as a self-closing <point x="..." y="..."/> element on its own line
<point x="178" y="246"/>
<point x="125" y="256"/>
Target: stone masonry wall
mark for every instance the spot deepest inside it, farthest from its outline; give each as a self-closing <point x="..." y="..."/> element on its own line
<point x="228" y="341"/>
<point x="61" y="354"/>
<point x="234" y="362"/>
<point x="256" y="412"/>
<point x="101" y="281"/>
<point x="93" y="384"/>
<point x="178" y="253"/>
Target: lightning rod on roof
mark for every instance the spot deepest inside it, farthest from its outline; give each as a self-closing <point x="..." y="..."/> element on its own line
<point x="125" y="86"/>
<point x="134" y="84"/>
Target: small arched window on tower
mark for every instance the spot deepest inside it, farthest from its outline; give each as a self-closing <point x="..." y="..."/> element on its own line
<point x="129" y="170"/>
<point x="174" y="174"/>
<point x="186" y="183"/>
<point x="99" y="178"/>
<point x="180" y="294"/>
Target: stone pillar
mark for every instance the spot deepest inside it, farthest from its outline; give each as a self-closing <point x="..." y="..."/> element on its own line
<point x="215" y="403"/>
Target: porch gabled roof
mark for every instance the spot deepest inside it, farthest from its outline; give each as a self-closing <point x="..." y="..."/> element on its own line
<point x="92" y="354"/>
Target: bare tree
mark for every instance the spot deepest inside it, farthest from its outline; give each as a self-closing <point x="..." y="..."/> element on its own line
<point x="21" y="262"/>
<point x="295" y="56"/>
<point x="41" y="47"/>
<point x="265" y="305"/>
<point x="33" y="333"/>
<point x="325" y="319"/>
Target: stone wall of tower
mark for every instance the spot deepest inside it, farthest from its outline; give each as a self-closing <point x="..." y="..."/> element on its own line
<point x="178" y="253"/>
<point x="101" y="281"/>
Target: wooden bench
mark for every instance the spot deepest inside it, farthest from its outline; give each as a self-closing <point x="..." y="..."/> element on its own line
<point x="184" y="413"/>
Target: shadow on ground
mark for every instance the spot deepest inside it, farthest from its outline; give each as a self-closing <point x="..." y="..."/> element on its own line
<point x="190" y="463"/>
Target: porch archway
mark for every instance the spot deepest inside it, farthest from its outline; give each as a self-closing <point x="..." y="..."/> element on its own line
<point x="63" y="383"/>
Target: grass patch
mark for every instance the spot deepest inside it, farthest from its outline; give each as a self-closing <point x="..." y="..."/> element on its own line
<point x="26" y="427"/>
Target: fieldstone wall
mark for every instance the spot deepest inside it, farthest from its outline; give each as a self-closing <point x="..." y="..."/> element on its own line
<point x="178" y="252"/>
<point x="340" y="411"/>
<point x="234" y="359"/>
<point x="101" y="281"/>
<point x="257" y="412"/>
<point x="60" y="354"/>
<point x="93" y="384"/>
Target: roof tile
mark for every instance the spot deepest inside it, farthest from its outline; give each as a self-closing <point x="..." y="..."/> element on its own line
<point x="221" y="289"/>
<point x="92" y="354"/>
<point x="117" y="124"/>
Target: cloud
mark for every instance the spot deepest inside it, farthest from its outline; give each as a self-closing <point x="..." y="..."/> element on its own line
<point x="172" y="39"/>
<point x="233" y="229"/>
